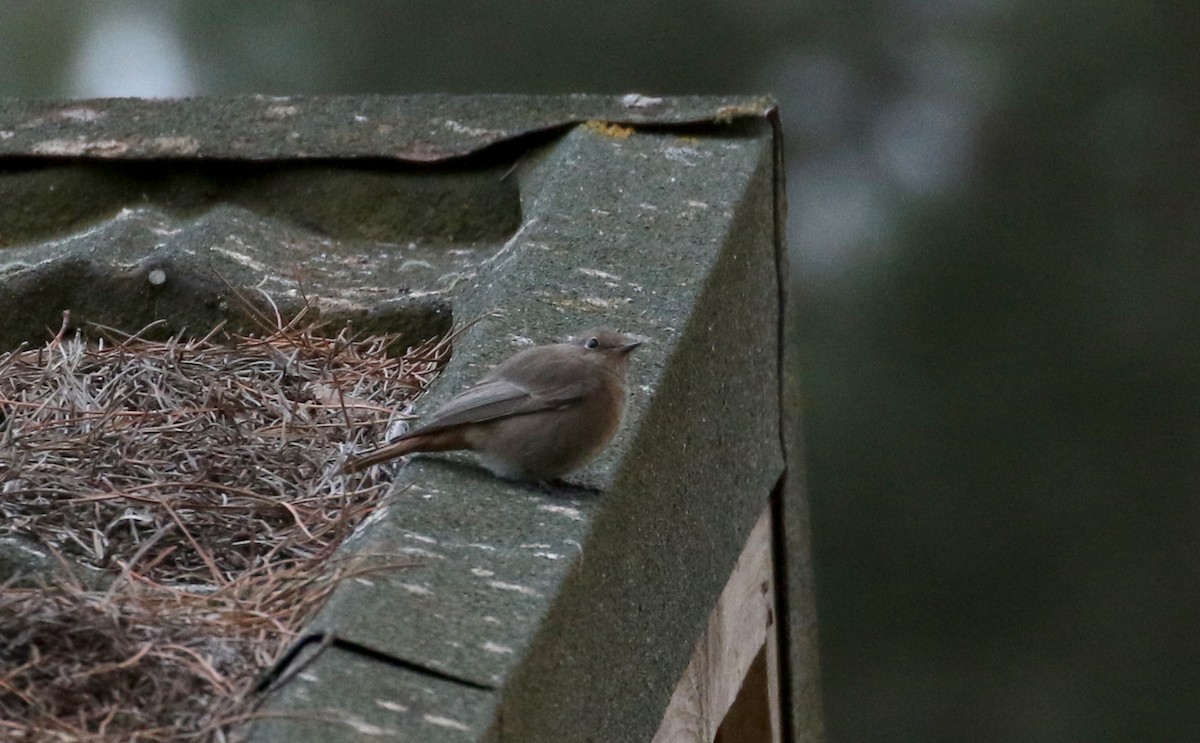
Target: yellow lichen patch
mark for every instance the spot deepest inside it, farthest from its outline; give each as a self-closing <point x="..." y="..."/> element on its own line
<point x="726" y="114"/>
<point x="609" y="129"/>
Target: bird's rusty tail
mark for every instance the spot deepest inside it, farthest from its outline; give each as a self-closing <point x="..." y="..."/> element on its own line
<point x="439" y="441"/>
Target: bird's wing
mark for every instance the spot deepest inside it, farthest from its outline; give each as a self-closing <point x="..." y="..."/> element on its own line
<point x="497" y="398"/>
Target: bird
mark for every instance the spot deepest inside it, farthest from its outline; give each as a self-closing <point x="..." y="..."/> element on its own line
<point x="539" y="415"/>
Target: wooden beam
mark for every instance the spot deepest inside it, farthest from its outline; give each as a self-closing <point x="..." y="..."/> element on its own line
<point x="734" y="671"/>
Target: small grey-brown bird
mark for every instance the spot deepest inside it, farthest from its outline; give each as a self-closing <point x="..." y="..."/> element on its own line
<point x="540" y="414"/>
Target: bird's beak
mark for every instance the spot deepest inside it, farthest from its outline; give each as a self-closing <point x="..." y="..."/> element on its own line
<point x="625" y="349"/>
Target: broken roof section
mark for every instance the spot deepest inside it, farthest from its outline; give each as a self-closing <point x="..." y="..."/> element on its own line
<point x="661" y="217"/>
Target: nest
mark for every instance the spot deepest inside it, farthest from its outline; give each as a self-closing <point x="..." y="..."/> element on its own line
<point x="188" y="494"/>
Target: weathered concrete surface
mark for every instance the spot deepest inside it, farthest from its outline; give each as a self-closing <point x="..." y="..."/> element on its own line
<point x="703" y="459"/>
<point x="216" y="197"/>
<point x="382" y="246"/>
<point x="373" y="200"/>
<point x="491" y="556"/>
<point x="425" y="128"/>
<point x="566" y="599"/>
<point x="378" y="702"/>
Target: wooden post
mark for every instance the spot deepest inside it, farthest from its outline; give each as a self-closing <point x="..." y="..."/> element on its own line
<point x="729" y="692"/>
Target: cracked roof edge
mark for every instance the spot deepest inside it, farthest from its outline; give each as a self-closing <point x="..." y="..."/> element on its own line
<point x="414" y="129"/>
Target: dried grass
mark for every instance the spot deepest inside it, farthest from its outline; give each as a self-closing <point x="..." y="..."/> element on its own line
<point x="196" y="482"/>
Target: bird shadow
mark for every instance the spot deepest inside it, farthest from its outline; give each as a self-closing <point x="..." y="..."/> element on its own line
<point x="556" y="488"/>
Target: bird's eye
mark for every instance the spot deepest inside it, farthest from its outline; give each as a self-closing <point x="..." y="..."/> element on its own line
<point x="592" y="342"/>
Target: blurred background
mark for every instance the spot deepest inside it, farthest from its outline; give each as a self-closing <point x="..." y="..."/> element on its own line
<point x="994" y="228"/>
